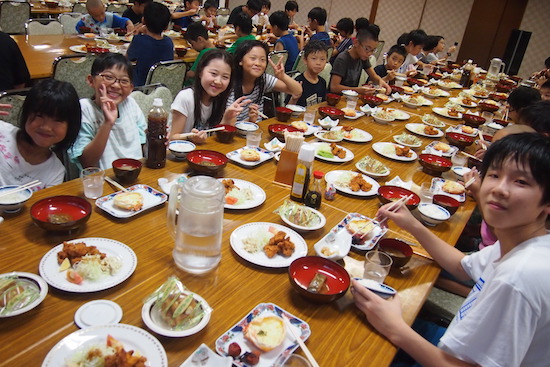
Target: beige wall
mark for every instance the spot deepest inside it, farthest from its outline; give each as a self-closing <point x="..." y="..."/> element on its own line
<point x="536" y="20"/>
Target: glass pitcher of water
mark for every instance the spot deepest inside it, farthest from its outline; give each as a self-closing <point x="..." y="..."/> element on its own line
<point x="496" y="67"/>
<point x="197" y="230"/>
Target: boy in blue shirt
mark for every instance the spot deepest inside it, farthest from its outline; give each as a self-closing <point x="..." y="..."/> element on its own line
<point x="279" y="26"/>
<point x="151" y="47"/>
<point x="183" y="18"/>
<point x="98" y="18"/>
<point x="316" y="19"/>
<point x="314" y="87"/>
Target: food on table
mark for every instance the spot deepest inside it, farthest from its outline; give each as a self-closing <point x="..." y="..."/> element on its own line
<point x="333" y="135"/>
<point x="234" y="350"/>
<point x="89" y="35"/>
<point x="337" y="151"/>
<point x="327" y="251"/>
<point x="271" y="241"/>
<point x="206" y="163"/>
<point x="235" y="195"/>
<point x="442" y="147"/>
<point x="361" y="230"/>
<point x="250" y="155"/>
<point x="128" y="201"/>
<point x="432" y="120"/>
<point x="251" y="358"/>
<point x="403" y="151"/>
<point x="384" y="114"/>
<point x="372" y="165"/>
<point x="414" y="99"/>
<point x="451" y="112"/>
<point x="409" y="139"/>
<point x="112" y="353"/>
<point x="349" y="112"/>
<point x="352" y="133"/>
<point x="354" y="182"/>
<point x="317" y="283"/>
<point x="60" y="218"/>
<point x="467" y="101"/>
<point x="324" y="150"/>
<point x="453" y="187"/>
<point x="433" y="91"/>
<point x="266" y="332"/>
<point x="408" y="89"/>
<point x="467" y="129"/>
<point x="491" y="102"/>
<point x="15" y="197"/>
<point x="76" y="251"/>
<point x="298" y="214"/>
<point x="86" y="262"/>
<point x="430" y="130"/>
<point x="16" y="293"/>
<point x="178" y="308"/>
<point x="300" y="125"/>
<point x="383" y="97"/>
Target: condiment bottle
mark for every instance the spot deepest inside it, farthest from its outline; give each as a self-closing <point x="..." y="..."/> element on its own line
<point x="467" y="70"/>
<point x="314" y="196"/>
<point x="302" y="174"/>
<point x="156" y="135"/>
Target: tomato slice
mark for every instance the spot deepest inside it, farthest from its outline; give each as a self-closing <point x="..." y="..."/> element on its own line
<point x="231" y="200"/>
<point x="74" y="277"/>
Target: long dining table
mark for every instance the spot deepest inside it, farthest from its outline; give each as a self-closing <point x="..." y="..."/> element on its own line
<point x="340" y="333"/>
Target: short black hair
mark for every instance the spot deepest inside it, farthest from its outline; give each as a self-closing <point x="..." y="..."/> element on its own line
<point x="244" y="22"/>
<point x="241" y="51"/>
<point x="142" y="1"/>
<point x="361" y="23"/>
<point x="319" y="14"/>
<point x="547" y="62"/>
<point x="209" y="4"/>
<point x="291" y="5"/>
<point x="526" y="149"/>
<point x="315" y="46"/>
<point x="255" y="5"/>
<point x="522" y="97"/>
<point x="156" y="17"/>
<point x="280" y="19"/>
<point x="196" y="30"/>
<point x="55" y="99"/>
<point x="431" y="42"/>
<point x="398" y="49"/>
<point x="367" y="34"/>
<point x="537" y="115"/>
<point x="417" y="37"/>
<point x="266" y="3"/>
<point x="346" y="25"/>
<point x="112" y="60"/>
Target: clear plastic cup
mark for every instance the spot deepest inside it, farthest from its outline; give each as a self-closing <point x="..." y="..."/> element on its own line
<point x="253" y="138"/>
<point x="92" y="182"/>
<point x="377" y="266"/>
<point x="426" y="193"/>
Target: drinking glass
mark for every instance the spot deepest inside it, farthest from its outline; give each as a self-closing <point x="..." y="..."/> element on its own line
<point x="459" y="160"/>
<point x="92" y="181"/>
<point x="377" y="266"/>
<point x="426" y="193"/>
<point x="253" y="138"/>
<point x="352" y="102"/>
<point x="488" y="116"/>
<point x="309" y="115"/>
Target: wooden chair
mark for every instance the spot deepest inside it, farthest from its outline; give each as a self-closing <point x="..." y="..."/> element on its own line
<point x="15" y="98"/>
<point x="169" y="73"/>
<point x="276" y="56"/>
<point x="43" y="26"/>
<point x="74" y="69"/>
<point x="80" y="8"/>
<point x="13" y="15"/>
<point x="69" y="21"/>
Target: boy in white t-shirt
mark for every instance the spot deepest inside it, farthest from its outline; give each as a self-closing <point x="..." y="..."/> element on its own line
<point x="505" y="320"/>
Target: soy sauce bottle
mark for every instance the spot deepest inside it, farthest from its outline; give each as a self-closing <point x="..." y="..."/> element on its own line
<point x="315" y="195"/>
<point x="156" y="135"/>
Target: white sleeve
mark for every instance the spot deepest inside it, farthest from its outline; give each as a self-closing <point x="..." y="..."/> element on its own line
<point x="184" y="103"/>
<point x="475" y="263"/>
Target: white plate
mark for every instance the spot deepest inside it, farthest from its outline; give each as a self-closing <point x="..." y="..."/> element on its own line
<point x="81" y="49"/>
<point x="437" y="184"/>
<point x="166" y="185"/>
<point x="343" y="236"/>
<point x="260" y="258"/>
<point x="349" y="154"/>
<point x="133" y="338"/>
<point x="321" y="224"/>
<point x="458" y="129"/>
<point x="98" y="312"/>
<point x="151" y="198"/>
<point x="426" y="101"/>
<point x="49" y="268"/>
<point x="333" y="176"/>
<point x="33" y="279"/>
<point x="364" y="137"/>
<point x="442" y="111"/>
<point x="88" y="38"/>
<point x="311" y="129"/>
<point x="419" y="129"/>
<point x="213" y="360"/>
<point x="267" y="359"/>
<point x="369" y="173"/>
<point x="382" y="147"/>
<point x="357" y="115"/>
<point x="449" y="153"/>
<point x="172" y="34"/>
<point x="474" y="93"/>
<point x="449" y="85"/>
<point x="459" y="101"/>
<point x="439" y="123"/>
<point x="321" y="136"/>
<point x="235" y="156"/>
<point x="257" y="192"/>
<point x="151" y="318"/>
<point x="399" y="115"/>
<point x="339" y="249"/>
<point x="397" y="139"/>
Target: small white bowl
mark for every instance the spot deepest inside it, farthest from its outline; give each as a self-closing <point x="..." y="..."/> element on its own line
<point x="180" y="148"/>
<point x="460" y="171"/>
<point x="408" y="103"/>
<point x="244" y="127"/>
<point x="433" y="214"/>
<point x="12" y="203"/>
<point x="350" y="93"/>
<point x="382" y="120"/>
<point x="296" y="110"/>
<point x="328" y="123"/>
<point x="339" y="249"/>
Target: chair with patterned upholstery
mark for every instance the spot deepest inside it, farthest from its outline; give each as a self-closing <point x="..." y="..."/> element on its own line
<point x="43" y="26"/>
<point x="276" y="56"/>
<point x="146" y="94"/>
<point x="80" y="8"/>
<point x="117" y="8"/>
<point x="74" y="69"/>
<point x="15" y="98"/>
<point x="169" y="73"/>
<point x="69" y="21"/>
<point x="13" y="15"/>
<point x="378" y="50"/>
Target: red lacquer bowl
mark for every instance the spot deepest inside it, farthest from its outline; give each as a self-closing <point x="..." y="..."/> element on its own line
<point x="278" y="130"/>
<point x="332" y="112"/>
<point x="472" y="120"/>
<point x="207" y="161"/>
<point x="390" y="193"/>
<point x="459" y="140"/>
<point x="434" y="164"/>
<point x="70" y="211"/>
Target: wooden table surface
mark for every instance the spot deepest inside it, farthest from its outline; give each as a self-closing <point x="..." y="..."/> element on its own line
<point x="40" y="51"/>
<point x="340" y="334"/>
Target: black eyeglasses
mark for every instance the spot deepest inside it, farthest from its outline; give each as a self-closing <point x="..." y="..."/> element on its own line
<point x="125" y="82"/>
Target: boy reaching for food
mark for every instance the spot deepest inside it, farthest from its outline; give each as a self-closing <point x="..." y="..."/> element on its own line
<point x="505" y="320"/>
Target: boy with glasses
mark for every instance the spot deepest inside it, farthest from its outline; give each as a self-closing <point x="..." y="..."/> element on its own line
<point x="347" y="67"/>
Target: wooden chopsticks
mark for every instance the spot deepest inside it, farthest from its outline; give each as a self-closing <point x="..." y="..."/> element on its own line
<point x="397" y="205"/>
<point x="21" y="188"/>
<point x="186" y="135"/>
<point x="115" y="184"/>
<point x="300" y="342"/>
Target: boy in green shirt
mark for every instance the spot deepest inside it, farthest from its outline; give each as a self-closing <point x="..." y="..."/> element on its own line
<point x="243" y="30"/>
<point x="197" y="36"/>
